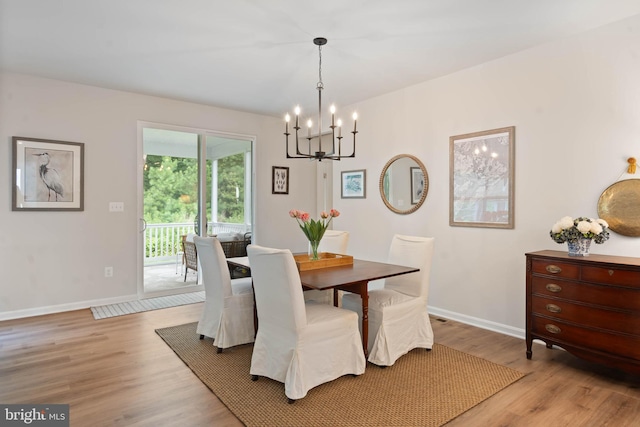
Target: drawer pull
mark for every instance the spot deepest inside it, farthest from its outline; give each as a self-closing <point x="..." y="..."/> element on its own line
<point x="553" y="269"/>
<point x="552" y="328"/>
<point x="553" y="308"/>
<point x="610" y="272"/>
<point x="552" y="287"/>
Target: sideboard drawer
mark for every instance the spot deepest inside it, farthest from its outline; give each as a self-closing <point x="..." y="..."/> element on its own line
<point x="613" y="320"/>
<point x="611" y="276"/>
<point x="559" y="269"/>
<point x="625" y="345"/>
<point x="626" y="299"/>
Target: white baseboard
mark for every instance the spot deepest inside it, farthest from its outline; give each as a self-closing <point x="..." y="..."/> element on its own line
<point x="39" y="311"/>
<point x="434" y="311"/>
<point x="480" y="323"/>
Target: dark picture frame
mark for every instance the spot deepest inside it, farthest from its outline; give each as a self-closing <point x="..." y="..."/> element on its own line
<point x="279" y="180"/>
<point x="47" y="175"/>
<point x="482" y="179"/>
<point x="354" y="184"/>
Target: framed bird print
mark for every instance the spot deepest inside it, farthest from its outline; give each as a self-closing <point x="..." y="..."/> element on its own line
<point x="47" y="175"/>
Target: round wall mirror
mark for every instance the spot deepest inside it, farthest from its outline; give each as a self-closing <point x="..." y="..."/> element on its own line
<point x="404" y="184"/>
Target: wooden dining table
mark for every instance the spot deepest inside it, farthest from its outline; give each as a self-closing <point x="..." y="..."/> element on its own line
<point x="353" y="278"/>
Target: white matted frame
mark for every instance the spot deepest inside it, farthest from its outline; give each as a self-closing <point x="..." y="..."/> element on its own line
<point x="279" y="180"/>
<point x="48" y="175"/>
<point x="481" y="180"/>
<point x="354" y="184"/>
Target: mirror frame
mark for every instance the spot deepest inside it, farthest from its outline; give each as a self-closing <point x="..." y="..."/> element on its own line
<point x="424" y="193"/>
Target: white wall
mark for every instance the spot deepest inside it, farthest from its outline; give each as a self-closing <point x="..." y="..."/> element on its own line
<point x="54" y="261"/>
<point x="576" y="108"/>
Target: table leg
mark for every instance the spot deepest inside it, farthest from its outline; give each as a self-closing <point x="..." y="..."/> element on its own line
<point x="364" y="295"/>
<point x="359" y="288"/>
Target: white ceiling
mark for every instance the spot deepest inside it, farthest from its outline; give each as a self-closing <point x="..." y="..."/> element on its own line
<point x="258" y="55"/>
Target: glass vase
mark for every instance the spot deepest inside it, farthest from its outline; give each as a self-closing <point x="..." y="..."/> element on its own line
<point x="313" y="250"/>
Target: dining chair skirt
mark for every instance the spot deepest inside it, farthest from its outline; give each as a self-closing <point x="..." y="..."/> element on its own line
<point x="398" y="318"/>
<point x="228" y="313"/>
<point x="299" y="344"/>
<point x="389" y="335"/>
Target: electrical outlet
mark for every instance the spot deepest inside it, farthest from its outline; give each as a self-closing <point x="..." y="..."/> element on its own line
<point x="108" y="272"/>
<point x="116" y="206"/>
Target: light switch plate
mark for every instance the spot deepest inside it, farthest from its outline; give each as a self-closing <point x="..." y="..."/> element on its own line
<point x="116" y="206"/>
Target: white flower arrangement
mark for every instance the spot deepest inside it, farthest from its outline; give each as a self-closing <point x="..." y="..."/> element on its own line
<point x="568" y="229"/>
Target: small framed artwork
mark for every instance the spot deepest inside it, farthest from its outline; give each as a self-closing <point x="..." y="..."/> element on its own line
<point x="354" y="184"/>
<point x="481" y="179"/>
<point x="279" y="180"/>
<point x="47" y="175"/>
<point x="417" y="185"/>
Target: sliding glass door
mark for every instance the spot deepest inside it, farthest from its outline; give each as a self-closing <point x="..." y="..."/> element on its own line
<point x="192" y="183"/>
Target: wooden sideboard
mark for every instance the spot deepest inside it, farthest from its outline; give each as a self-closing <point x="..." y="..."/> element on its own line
<point x="590" y="306"/>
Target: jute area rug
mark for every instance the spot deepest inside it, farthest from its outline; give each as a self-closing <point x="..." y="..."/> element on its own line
<point x="421" y="389"/>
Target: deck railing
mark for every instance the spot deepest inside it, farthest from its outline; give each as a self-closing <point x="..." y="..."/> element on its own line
<point x="162" y="242"/>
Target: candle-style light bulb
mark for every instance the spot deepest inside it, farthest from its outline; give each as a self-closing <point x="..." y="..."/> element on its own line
<point x="332" y="109"/>
<point x="355" y="119"/>
<point x="339" y="128"/>
<point x="286" y="123"/>
<point x="297" y="111"/>
<point x="309" y="124"/>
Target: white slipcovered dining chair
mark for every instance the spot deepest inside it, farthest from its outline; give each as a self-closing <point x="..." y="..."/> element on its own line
<point x="336" y="242"/>
<point x="299" y="344"/>
<point x="398" y="318"/>
<point x="227" y="314"/>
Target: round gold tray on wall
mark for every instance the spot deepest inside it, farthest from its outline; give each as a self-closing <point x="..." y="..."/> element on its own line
<point x="619" y="205"/>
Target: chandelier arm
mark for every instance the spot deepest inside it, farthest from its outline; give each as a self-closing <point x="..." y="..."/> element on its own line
<point x="297" y="141"/>
<point x="299" y="155"/>
<point x="297" y="128"/>
<point x="289" y="156"/>
<point x="333" y="133"/>
<point x="298" y="152"/>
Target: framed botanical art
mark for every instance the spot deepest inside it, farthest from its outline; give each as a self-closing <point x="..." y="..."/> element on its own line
<point x="279" y="180"/>
<point x="47" y="175"/>
<point x="481" y="179"/>
<point x="354" y="184"/>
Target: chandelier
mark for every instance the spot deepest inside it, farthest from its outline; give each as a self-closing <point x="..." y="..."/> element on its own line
<point x="336" y="126"/>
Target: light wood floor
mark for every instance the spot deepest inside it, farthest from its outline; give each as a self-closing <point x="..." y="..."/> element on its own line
<point x="118" y="372"/>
